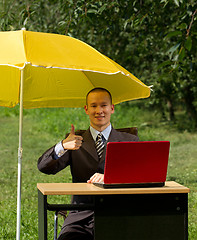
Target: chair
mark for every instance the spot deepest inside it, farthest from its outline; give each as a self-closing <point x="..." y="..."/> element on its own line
<point x="63" y="212"/>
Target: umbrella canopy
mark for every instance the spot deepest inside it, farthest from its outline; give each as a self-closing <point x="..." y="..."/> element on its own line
<point x="51" y="70"/>
<point x="59" y="71"/>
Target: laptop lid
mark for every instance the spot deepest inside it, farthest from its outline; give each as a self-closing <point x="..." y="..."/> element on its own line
<point x="136" y="162"/>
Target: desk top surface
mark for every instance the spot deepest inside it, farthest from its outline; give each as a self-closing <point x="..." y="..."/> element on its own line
<point x="90" y="189"/>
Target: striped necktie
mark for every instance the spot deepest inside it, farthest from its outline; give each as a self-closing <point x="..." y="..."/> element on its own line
<point x="99" y="145"/>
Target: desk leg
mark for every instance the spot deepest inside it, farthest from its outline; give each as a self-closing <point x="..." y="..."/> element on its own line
<point x="141" y="217"/>
<point x="42" y="216"/>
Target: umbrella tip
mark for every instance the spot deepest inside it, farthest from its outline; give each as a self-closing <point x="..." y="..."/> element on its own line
<point x="23" y="28"/>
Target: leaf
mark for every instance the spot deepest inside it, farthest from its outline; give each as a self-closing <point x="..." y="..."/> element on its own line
<point x="173" y="49"/>
<point x="188" y="43"/>
<point x="181" y="54"/>
<point x="164" y="1"/>
<point x="125" y="24"/>
<point x="173" y="33"/>
<point x="25" y="22"/>
<point x="61" y="23"/>
<point x="176" y="57"/>
<point x="176" y="65"/>
<point x="182" y="26"/>
<point x="92" y="11"/>
<point x="163" y="64"/>
<point x="102" y="8"/>
<point x="176" y="2"/>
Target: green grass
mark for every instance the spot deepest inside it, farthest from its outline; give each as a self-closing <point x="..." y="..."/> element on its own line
<point x="45" y="127"/>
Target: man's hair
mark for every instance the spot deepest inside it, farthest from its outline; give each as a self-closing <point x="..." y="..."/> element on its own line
<point x="98" y="89"/>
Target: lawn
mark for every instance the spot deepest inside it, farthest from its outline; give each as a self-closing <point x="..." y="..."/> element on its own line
<point x="45" y="127"/>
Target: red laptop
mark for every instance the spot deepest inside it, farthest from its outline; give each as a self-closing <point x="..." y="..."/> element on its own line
<point x="136" y="164"/>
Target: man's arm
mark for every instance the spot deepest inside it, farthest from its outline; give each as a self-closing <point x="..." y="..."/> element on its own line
<point x="52" y="162"/>
<point x="48" y="163"/>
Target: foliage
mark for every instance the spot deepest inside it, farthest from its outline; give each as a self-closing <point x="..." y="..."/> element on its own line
<point x="155" y="40"/>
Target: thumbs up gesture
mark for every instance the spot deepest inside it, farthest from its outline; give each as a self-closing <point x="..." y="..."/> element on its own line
<point x="72" y="142"/>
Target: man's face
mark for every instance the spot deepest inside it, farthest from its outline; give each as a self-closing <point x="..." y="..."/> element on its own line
<point x="99" y="109"/>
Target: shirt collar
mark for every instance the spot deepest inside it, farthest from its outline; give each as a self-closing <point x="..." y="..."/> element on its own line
<point x="105" y="132"/>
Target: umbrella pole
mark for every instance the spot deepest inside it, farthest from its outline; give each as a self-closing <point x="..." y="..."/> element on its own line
<point x="20" y="151"/>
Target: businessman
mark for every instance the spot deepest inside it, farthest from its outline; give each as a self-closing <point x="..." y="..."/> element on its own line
<point x="85" y="155"/>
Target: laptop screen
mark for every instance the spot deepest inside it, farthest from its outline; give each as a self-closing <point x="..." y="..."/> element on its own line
<point x="136" y="162"/>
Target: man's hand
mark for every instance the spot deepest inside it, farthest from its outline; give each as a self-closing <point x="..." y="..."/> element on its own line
<point x="72" y="142"/>
<point x="97" y="177"/>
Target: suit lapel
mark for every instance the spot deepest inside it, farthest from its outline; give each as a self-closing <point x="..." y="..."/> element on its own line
<point x="88" y="144"/>
<point x="113" y="137"/>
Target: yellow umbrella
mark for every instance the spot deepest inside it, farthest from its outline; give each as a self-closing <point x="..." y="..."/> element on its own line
<point x="59" y="71"/>
<point x="51" y="70"/>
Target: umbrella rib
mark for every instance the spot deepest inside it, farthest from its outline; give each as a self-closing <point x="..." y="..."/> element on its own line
<point x="88" y="78"/>
<point x="74" y="69"/>
<point x="24" y="46"/>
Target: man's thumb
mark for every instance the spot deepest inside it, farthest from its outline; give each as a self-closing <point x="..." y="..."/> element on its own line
<point x="72" y="131"/>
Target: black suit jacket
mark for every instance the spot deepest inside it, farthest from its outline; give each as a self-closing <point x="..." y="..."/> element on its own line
<point x="83" y="162"/>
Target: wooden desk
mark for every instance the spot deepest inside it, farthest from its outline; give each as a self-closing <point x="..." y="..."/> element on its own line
<point x="127" y="213"/>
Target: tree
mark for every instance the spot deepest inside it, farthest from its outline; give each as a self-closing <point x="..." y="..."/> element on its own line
<point x="155" y="40"/>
